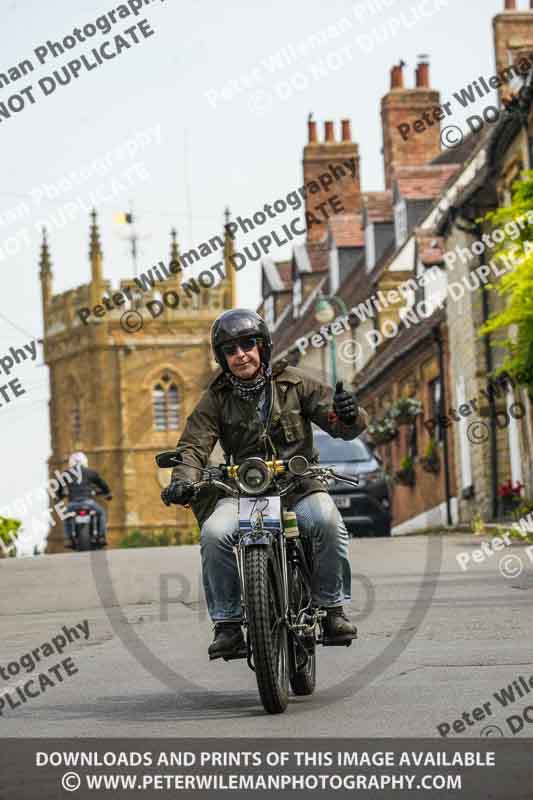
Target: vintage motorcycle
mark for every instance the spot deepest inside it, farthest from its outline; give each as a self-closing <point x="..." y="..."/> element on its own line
<point x="275" y="566"/>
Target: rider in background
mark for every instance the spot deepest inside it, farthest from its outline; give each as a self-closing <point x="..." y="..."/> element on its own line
<point x="80" y="496"/>
<point x="256" y="408"/>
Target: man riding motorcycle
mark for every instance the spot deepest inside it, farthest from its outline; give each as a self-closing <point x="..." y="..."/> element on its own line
<point x="79" y="496"/>
<point x="256" y="409"/>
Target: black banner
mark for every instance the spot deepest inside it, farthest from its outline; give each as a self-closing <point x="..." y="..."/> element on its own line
<point x="499" y="769"/>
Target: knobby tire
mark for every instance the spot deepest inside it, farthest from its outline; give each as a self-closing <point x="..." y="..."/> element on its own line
<point x="263" y="603"/>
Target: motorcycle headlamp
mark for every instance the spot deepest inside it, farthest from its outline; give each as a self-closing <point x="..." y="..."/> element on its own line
<point x="254" y="476"/>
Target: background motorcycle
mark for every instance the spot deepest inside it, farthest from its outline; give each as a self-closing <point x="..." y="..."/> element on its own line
<point x="275" y="566"/>
<point x="86" y="526"/>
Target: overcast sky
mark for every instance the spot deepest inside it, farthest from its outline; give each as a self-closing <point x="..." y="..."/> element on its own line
<point x="227" y="113"/>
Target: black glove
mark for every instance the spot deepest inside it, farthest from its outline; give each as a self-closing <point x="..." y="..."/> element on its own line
<point x="345" y="405"/>
<point x="178" y="492"/>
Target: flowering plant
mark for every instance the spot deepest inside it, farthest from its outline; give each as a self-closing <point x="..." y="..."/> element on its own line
<point x="508" y="489"/>
<point x="405" y="408"/>
<point x="382" y="431"/>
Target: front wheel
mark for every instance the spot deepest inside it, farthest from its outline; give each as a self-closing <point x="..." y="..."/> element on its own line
<point x="268" y="629"/>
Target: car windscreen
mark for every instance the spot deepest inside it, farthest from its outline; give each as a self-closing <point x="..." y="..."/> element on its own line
<point x="339" y="450"/>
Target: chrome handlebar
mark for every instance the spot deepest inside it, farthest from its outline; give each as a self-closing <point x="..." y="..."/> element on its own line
<point x="326" y="472"/>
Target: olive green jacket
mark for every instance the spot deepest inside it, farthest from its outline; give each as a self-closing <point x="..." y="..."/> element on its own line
<point x="220" y="415"/>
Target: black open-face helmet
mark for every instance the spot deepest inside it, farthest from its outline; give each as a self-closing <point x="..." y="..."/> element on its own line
<point x="236" y="323"/>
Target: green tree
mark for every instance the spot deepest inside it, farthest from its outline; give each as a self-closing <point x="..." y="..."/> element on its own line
<point x="8" y="531"/>
<point x="516" y="222"/>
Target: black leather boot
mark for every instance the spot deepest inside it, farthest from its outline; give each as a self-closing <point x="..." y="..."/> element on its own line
<point x="228" y="642"/>
<point x="337" y="628"/>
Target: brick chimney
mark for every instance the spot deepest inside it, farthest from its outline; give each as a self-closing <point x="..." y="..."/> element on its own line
<point x="401" y="105"/>
<point x="513" y="39"/>
<point x="327" y="159"/>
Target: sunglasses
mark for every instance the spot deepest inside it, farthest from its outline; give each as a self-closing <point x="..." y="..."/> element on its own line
<point x="246" y="344"/>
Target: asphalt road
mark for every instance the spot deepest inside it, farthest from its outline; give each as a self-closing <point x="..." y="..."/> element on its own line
<point x="434" y="642"/>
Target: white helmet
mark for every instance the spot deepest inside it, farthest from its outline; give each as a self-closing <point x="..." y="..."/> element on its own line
<point x="78" y="458"/>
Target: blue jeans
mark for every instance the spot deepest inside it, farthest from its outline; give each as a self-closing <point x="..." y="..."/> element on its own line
<point x="318" y="518"/>
<point x="89" y="503"/>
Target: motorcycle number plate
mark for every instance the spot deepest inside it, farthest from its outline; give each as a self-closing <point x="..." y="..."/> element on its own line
<point x="260" y="512"/>
<point x="83" y="519"/>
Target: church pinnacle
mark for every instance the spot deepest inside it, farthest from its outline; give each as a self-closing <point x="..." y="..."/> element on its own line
<point x="229" y="251"/>
<point x="95" y="256"/>
<point x="45" y="274"/>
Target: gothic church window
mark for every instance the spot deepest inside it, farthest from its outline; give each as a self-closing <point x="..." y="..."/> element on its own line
<point x="75" y="418"/>
<point x="165" y="404"/>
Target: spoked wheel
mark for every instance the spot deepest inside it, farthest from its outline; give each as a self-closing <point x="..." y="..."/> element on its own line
<point x="268" y="631"/>
<point x="302" y="650"/>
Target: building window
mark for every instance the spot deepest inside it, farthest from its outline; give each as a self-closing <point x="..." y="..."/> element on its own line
<point x="420" y="291"/>
<point x="269" y="312"/>
<point x="435" y="399"/>
<point x="75" y="418"/>
<point x="296" y="296"/>
<point x="412" y="440"/>
<point x="400" y="222"/>
<point x="370" y="248"/>
<point x="165" y="403"/>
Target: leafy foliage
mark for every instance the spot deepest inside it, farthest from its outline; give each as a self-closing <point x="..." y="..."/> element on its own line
<point x="8" y="531"/>
<point x="166" y="538"/>
<point x="517" y="284"/>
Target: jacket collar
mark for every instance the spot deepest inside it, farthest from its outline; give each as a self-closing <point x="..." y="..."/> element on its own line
<point x="281" y="373"/>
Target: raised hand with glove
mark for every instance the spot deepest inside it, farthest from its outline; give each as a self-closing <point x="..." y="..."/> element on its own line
<point x="345" y="405"/>
<point x="178" y="492"/>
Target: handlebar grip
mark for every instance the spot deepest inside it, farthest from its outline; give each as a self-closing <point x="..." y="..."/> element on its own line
<point x="347" y="478"/>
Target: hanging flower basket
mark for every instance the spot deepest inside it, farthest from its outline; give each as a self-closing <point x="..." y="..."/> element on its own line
<point x="430" y="461"/>
<point x="405" y="410"/>
<point x="406" y="475"/>
<point x="382" y="431"/>
<point x="430" y="464"/>
<point x="384" y="438"/>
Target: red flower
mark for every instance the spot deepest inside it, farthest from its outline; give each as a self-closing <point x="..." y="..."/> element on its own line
<point x="509" y="490"/>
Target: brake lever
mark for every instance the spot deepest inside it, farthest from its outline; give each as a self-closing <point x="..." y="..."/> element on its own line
<point x="339" y="477"/>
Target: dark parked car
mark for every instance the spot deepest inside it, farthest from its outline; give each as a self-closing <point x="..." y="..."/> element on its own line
<point x="365" y="510"/>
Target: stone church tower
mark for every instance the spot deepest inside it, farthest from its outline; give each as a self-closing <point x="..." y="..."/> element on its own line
<point x="122" y="396"/>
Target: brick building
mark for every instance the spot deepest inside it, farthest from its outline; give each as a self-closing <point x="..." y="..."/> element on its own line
<point x="406" y="334"/>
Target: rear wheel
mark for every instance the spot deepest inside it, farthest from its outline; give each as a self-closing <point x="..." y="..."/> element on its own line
<point x="268" y="631"/>
<point x="83" y="537"/>
<point x="302" y="650"/>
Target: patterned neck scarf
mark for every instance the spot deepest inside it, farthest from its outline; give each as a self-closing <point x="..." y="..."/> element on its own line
<point x="250" y="390"/>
